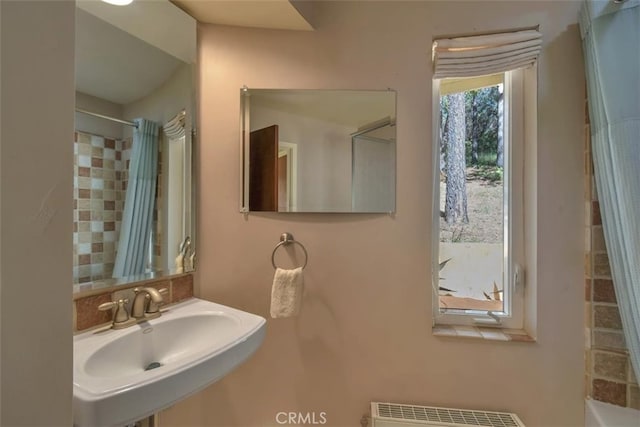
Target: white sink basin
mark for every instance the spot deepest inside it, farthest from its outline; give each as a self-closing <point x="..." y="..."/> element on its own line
<point x="190" y="346"/>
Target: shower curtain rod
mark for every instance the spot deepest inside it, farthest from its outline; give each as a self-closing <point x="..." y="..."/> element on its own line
<point x="102" y="116"/>
<point x="376" y="125"/>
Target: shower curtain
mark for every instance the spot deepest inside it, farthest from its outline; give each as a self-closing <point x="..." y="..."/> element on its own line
<point x="611" y="40"/>
<point x="137" y="219"/>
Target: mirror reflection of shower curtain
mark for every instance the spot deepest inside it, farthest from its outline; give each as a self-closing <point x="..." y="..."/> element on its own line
<point x="137" y="219"/>
<point x="373" y="181"/>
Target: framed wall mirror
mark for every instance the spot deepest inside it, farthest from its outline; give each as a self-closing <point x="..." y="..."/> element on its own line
<point x="318" y="150"/>
<point x="133" y="184"/>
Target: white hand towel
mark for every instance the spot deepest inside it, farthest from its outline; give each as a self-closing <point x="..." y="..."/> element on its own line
<point x="286" y="293"/>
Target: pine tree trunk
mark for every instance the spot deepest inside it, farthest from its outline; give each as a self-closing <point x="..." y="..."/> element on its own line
<point x="500" y="155"/>
<point x="444" y="137"/>
<point x="456" y="196"/>
<point x="474" y="129"/>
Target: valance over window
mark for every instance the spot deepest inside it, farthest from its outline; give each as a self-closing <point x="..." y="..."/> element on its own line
<point x="175" y="128"/>
<point x="487" y="54"/>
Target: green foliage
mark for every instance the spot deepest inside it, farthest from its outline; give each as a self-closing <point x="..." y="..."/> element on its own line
<point x="481" y="112"/>
<point x="487" y="159"/>
<point x="489" y="174"/>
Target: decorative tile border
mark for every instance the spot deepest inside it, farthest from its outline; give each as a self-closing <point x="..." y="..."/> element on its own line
<point x="87" y="316"/>
<point x="181" y="288"/>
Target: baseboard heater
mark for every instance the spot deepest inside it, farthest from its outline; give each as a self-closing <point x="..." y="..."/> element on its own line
<point x="399" y="415"/>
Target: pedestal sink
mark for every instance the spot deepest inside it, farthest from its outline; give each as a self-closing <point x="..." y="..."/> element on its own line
<point x="121" y="376"/>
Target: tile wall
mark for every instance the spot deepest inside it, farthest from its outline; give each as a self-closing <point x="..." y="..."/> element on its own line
<point x="101" y="176"/>
<point x="609" y="376"/>
<point x="100" y="166"/>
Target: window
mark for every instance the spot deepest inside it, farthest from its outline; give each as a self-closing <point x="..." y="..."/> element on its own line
<point x="482" y="123"/>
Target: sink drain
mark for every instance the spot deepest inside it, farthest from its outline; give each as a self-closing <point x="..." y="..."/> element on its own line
<point x="152" y="365"/>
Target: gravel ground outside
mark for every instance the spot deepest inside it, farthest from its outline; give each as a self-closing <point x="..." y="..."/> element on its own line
<point x="484" y="206"/>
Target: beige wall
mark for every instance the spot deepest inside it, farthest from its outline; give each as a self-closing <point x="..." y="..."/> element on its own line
<point x="36" y="188"/>
<point x="175" y="94"/>
<point x="364" y="332"/>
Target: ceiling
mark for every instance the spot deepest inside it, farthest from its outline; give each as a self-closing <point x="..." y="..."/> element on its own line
<point x="124" y="53"/>
<point x="121" y="56"/>
<point x="274" y="14"/>
<point x="114" y="65"/>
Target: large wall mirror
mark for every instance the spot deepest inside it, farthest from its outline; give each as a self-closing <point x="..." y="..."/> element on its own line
<point x="133" y="185"/>
<point x="318" y="150"/>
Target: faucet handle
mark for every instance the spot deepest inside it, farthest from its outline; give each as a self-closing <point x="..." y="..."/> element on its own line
<point x="108" y="305"/>
<point x="120" y="316"/>
<point x="153" y="307"/>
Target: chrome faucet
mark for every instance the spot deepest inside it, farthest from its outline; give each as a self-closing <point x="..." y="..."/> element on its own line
<point x="146" y="303"/>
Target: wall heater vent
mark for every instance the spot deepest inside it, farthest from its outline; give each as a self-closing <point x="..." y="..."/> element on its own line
<point x="396" y="415"/>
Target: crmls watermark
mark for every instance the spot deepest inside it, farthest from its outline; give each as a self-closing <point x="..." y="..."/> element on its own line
<point x="301" y="418"/>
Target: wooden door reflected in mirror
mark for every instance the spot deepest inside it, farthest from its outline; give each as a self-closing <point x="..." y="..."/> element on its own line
<point x="263" y="171"/>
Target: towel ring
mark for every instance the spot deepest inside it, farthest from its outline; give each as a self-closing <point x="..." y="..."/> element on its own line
<point x="285" y="239"/>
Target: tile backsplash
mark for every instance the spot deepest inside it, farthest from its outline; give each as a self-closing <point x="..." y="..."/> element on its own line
<point x="87" y="315"/>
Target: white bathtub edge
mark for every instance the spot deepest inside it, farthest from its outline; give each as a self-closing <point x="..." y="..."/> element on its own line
<point x="600" y="414"/>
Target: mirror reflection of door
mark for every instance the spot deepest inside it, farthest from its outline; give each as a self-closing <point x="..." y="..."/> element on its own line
<point x="263" y="169"/>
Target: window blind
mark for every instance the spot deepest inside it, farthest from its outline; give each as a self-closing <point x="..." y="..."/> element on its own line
<point x="487" y="54"/>
<point x="174" y="128"/>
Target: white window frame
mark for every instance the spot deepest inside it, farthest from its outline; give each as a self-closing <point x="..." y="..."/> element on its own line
<point x="520" y="97"/>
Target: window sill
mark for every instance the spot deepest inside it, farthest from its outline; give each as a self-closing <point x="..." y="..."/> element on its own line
<point x="487" y="334"/>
